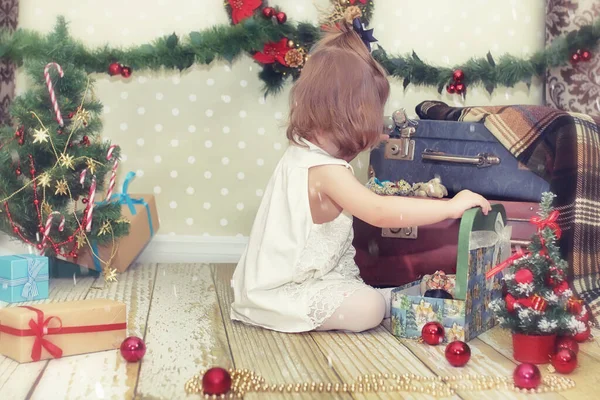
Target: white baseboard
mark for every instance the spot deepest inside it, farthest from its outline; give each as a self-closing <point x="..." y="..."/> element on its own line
<point x="194" y="249"/>
<point x="170" y="249"/>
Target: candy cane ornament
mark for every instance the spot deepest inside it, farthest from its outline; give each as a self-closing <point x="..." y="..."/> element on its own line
<point x="113" y="174"/>
<point x="48" y="227"/>
<point x="51" y="89"/>
<point x="82" y="176"/>
<point x="90" y="206"/>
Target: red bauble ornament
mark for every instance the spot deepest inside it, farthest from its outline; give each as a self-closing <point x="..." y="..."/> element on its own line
<point x="41" y="228"/>
<point x="568" y="343"/>
<point x="527" y="376"/>
<point x="458" y="75"/>
<point x="114" y="69"/>
<point x="575" y="58"/>
<point x="460" y="88"/>
<point x="281" y="17"/>
<point x="268" y="12"/>
<point x="216" y="381"/>
<point x="458" y="353"/>
<point x="126" y="72"/>
<point x="39" y="247"/>
<point x="433" y="333"/>
<point x="564" y="361"/>
<point x="574" y="305"/>
<point x="524" y="276"/>
<point x="561" y="288"/>
<point x="585" y="55"/>
<point x="584" y="316"/>
<point x="133" y="348"/>
<point x="583" y="336"/>
<point x="18" y="171"/>
<point x="451" y="88"/>
<point x="15" y="229"/>
<point x="510" y="302"/>
<point x="84" y="201"/>
<point x="21" y="141"/>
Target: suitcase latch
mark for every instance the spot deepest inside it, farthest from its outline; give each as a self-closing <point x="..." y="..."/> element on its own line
<point x="402" y="148"/>
<point x="400" y="233"/>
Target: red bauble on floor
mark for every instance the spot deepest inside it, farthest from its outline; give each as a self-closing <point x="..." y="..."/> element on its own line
<point x="564" y="361"/>
<point x="527" y="376"/>
<point x="216" y="381"/>
<point x="133" y="349"/>
<point x="458" y="353"/>
<point x="433" y="333"/>
<point x="566" y="342"/>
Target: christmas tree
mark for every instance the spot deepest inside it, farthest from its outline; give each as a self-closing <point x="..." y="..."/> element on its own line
<point x="538" y="300"/>
<point x="411" y="320"/>
<point x="53" y="161"/>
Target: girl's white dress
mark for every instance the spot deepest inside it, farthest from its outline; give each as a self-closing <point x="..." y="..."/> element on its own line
<point x="294" y="274"/>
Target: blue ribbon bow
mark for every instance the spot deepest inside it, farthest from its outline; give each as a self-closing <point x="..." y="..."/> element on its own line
<point x="29" y="282"/>
<point x="365" y="34"/>
<point x="125" y="199"/>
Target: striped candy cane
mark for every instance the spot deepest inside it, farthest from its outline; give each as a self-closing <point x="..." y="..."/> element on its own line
<point x="90" y="206"/>
<point x="113" y="174"/>
<point x="48" y="227"/>
<point x="82" y="176"/>
<point x="51" y="89"/>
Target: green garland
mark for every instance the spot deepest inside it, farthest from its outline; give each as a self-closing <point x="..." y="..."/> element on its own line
<point x="229" y="42"/>
<point x="507" y="71"/>
<point x="171" y="52"/>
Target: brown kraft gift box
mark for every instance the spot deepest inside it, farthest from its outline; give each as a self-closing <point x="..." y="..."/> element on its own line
<point x="54" y="330"/>
<point x="127" y="247"/>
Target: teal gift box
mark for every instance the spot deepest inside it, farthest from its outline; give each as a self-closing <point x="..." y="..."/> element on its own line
<point x="483" y="242"/>
<point x="23" y="278"/>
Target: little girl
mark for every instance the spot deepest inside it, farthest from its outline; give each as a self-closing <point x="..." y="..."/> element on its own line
<point x="298" y="272"/>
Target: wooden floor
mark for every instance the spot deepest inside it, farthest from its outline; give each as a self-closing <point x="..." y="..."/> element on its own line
<point x="182" y="311"/>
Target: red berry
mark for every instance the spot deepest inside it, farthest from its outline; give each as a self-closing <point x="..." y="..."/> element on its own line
<point x="39" y="246"/>
<point x="84" y="201"/>
<point x="36" y="202"/>
<point x="15" y="229"/>
<point x="126" y="72"/>
<point x="451" y="88"/>
<point x="71" y="238"/>
<point x="41" y="228"/>
<point x="18" y="171"/>
<point x="458" y="75"/>
<point x="460" y="88"/>
<point x="586" y="55"/>
<point x="21" y="141"/>
<point x="575" y="58"/>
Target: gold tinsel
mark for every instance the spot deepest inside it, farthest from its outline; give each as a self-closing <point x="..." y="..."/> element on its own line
<point x="351" y="13"/>
<point x="294" y="58"/>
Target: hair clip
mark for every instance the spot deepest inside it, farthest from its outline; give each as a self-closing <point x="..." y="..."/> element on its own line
<point x="365" y="34"/>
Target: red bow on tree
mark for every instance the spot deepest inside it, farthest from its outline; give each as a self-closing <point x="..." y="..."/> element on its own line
<point x="549" y="222"/>
<point x="274" y="51"/>
<point x="506" y="263"/>
<point x="242" y="9"/>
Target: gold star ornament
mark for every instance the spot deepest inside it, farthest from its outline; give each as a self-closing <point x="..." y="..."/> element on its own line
<point x="46" y="208"/>
<point x="110" y="274"/>
<point x="61" y="187"/>
<point x="123" y="220"/>
<point x="40" y="135"/>
<point x="44" y="180"/>
<point x="105" y="228"/>
<point x="80" y="238"/>
<point x="91" y="166"/>
<point x="66" y="160"/>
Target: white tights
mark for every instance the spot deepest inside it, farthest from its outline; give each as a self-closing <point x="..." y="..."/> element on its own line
<point x="363" y="310"/>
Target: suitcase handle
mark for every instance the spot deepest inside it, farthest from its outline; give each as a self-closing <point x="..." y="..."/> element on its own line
<point x="481" y="160"/>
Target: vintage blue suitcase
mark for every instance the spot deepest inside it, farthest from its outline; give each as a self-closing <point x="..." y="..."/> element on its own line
<point x="464" y="155"/>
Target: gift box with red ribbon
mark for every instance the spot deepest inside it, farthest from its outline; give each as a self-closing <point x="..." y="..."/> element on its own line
<point x="54" y="330"/>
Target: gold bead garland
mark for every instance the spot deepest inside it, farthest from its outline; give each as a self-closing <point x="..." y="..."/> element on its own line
<point x="244" y="381"/>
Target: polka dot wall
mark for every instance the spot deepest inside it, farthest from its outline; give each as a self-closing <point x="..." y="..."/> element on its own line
<point x="205" y="141"/>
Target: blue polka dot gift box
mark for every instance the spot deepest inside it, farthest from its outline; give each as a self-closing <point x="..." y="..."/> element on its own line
<point x="23" y="278"/>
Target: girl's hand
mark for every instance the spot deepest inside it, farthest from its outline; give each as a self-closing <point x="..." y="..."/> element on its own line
<point x="466" y="200"/>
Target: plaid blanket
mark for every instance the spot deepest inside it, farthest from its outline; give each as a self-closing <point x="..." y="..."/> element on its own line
<point x="564" y="148"/>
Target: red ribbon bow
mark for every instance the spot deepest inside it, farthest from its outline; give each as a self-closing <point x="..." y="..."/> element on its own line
<point x="549" y="222"/>
<point x="506" y="263"/>
<point x="40" y="328"/>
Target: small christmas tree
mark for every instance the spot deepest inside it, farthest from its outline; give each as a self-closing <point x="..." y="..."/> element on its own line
<point x="53" y="161"/>
<point x="538" y="300"/>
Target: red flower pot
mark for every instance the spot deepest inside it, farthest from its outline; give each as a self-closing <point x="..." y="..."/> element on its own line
<point x="534" y="349"/>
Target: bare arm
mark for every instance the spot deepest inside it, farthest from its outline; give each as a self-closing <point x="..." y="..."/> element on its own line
<point x="338" y="183"/>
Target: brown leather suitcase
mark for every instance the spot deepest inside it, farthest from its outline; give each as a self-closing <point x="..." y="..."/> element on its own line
<point x="394" y="257"/>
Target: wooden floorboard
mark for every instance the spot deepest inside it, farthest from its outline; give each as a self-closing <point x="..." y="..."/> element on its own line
<point x="185" y="332"/>
<point x="280" y="358"/>
<point x="18" y="380"/>
<point x="104" y="375"/>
